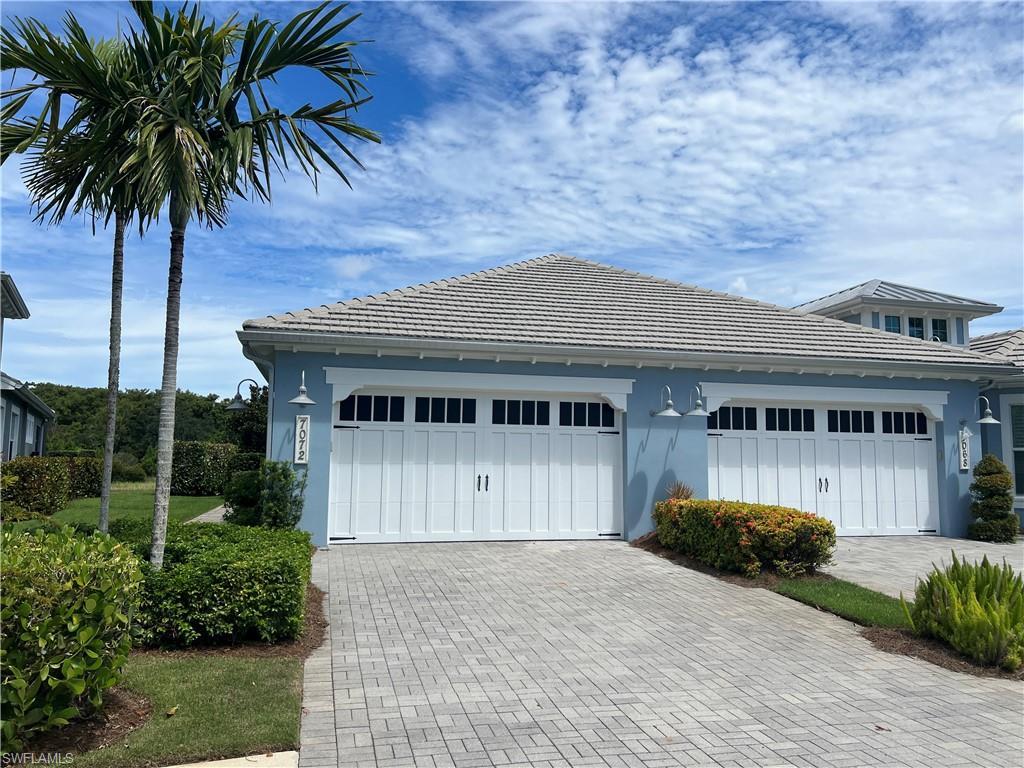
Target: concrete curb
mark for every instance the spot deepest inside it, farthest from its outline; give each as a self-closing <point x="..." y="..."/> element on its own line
<point x="274" y="760"/>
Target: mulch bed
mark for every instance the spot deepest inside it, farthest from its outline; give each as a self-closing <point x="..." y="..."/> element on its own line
<point x="899" y="641"/>
<point x="123" y="712"/>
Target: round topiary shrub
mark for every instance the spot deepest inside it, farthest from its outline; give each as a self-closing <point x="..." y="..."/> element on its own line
<point x="65" y="620"/>
<point x="992" y="505"/>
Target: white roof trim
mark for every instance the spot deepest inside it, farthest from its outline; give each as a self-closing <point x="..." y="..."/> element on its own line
<point x="347" y="380"/>
<point x="717" y="394"/>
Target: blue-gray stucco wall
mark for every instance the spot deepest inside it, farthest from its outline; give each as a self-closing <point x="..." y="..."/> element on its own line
<point x="656" y="451"/>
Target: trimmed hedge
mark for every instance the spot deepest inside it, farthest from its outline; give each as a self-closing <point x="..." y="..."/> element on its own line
<point x="978" y="608"/>
<point x="65" y="613"/>
<point x="221" y="583"/>
<point x="736" y="536"/>
<point x="244" y="461"/>
<point x="43" y="485"/>
<point x="200" y="469"/>
<point x="85" y="476"/>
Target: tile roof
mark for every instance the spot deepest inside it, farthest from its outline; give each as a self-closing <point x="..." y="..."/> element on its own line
<point x="1005" y="344"/>
<point x="883" y="290"/>
<point x="559" y="300"/>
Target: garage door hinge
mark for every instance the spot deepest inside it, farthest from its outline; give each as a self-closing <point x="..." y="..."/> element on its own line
<point x="714" y="434"/>
<point x="342" y="538"/>
<point x="923" y="439"/>
<point x="607" y="432"/>
<point x="926" y="530"/>
<point x="345" y="426"/>
<point x="609" y="534"/>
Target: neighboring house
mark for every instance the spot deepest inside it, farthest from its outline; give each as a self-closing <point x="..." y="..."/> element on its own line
<point x="24" y="418"/>
<point x="1006" y="395"/>
<point x="528" y="402"/>
<point x="903" y="309"/>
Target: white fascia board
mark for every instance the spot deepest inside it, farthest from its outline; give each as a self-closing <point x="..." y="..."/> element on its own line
<point x="717" y="394"/>
<point x="345" y="381"/>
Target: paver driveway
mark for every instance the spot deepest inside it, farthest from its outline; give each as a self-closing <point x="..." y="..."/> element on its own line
<point x="596" y="653"/>
<point x="893" y="564"/>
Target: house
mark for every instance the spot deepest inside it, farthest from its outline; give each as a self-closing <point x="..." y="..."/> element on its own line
<point x="543" y="400"/>
<point x="1006" y="398"/>
<point x="24" y="417"/>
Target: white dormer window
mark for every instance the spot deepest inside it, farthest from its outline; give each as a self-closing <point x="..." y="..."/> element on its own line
<point x="915" y="327"/>
<point x="940" y="329"/>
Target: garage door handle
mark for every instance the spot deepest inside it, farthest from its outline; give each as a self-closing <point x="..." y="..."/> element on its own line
<point x="819" y="485"/>
<point x="487" y="482"/>
<point x="478" y="482"/>
<point x="826" y="485"/>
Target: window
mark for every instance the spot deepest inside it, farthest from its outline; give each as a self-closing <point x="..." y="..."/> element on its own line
<point x="1015" y="442"/>
<point x="789" y="419"/>
<point x="526" y="412"/>
<point x="893" y="324"/>
<point x="30" y="430"/>
<point x="372" y="408"/>
<point x="940" y="329"/>
<point x="904" y="423"/>
<point x="445" y="410"/>
<point x="853" y="422"/>
<point x="585" y="415"/>
<point x="915" y="327"/>
<point x="733" y="417"/>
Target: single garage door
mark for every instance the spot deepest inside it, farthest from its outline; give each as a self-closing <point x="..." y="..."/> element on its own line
<point x="869" y="471"/>
<point x="408" y="466"/>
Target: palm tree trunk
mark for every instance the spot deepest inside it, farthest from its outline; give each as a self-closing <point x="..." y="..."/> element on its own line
<point x="169" y="385"/>
<point x="113" y="366"/>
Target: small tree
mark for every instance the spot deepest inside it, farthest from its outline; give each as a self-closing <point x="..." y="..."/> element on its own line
<point x="992" y="507"/>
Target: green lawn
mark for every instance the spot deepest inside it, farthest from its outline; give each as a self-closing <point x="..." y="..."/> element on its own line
<point x="135" y="502"/>
<point x="843" y="598"/>
<point x="227" y="706"/>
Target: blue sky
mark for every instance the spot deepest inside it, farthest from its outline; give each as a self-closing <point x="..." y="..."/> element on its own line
<point x="779" y="151"/>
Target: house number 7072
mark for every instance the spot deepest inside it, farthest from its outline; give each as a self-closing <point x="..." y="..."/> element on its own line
<point x="302" y="439"/>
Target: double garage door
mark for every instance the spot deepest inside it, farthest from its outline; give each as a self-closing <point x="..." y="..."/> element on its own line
<point x="869" y="471"/>
<point x="414" y="466"/>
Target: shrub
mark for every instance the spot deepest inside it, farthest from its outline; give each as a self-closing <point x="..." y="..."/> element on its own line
<point x="992" y="504"/>
<point x="737" y="536"/>
<point x="81" y="453"/>
<point x="222" y="584"/>
<point x="43" y="483"/>
<point x="678" y="491"/>
<point x="85" y="476"/>
<point x="978" y="608"/>
<point x="65" y="610"/>
<point x="281" y="495"/>
<point x="242" y="498"/>
<point x="200" y="469"/>
<point x="126" y="473"/>
<point x="244" y="461"/>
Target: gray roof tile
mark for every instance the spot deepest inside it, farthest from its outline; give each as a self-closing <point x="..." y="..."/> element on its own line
<point x="1008" y="345"/>
<point x="883" y="290"/>
<point x="560" y="300"/>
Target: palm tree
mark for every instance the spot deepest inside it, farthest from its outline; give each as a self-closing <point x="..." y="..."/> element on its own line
<point x="207" y="131"/>
<point x="70" y="166"/>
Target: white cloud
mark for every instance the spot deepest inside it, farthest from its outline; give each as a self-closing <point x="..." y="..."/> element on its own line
<point x="738" y="286"/>
<point x="352" y="267"/>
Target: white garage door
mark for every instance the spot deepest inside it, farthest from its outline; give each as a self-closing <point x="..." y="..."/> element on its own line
<point x="869" y="471"/>
<point x="461" y="467"/>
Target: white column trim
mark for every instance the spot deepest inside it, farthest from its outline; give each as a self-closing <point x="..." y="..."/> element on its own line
<point x="347" y="380"/>
<point x="931" y="402"/>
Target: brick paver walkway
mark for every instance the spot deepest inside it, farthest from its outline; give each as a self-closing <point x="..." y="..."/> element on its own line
<point x="892" y="564"/>
<point x="597" y="654"/>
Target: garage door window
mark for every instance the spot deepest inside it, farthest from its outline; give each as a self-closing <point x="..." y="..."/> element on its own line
<point x="904" y="423"/>
<point x="388" y="408"/>
<point x="521" y="412"/>
<point x="585" y="415"/>
<point x="789" y="419"/>
<point x="856" y="422"/>
<point x="733" y="417"/>
<point x="445" y="410"/>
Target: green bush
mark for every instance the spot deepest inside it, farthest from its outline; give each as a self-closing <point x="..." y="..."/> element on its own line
<point x="200" y="469"/>
<point x="85" y="476"/>
<point x="83" y="453"/>
<point x="221" y="583"/>
<point x="43" y="485"/>
<point x="121" y="472"/>
<point x="737" y="536"/>
<point x="281" y="495"/>
<point x="992" y="505"/>
<point x="242" y="498"/>
<point x="244" y="461"/>
<point x="65" y="613"/>
<point x="978" y="608"/>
